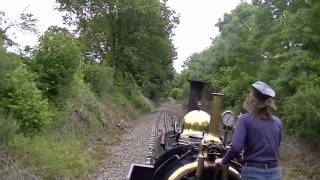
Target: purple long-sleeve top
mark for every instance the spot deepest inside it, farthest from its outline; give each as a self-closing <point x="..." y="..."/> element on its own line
<point x="259" y="138"/>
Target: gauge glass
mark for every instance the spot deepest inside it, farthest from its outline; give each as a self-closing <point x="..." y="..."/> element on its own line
<point x="228" y="118"/>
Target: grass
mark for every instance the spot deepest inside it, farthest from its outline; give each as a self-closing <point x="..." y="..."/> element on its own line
<point x="49" y="158"/>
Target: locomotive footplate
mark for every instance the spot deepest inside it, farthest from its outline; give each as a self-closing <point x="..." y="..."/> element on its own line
<point x="140" y="172"/>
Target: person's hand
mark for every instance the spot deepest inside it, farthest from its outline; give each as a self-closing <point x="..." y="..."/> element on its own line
<point x="218" y="162"/>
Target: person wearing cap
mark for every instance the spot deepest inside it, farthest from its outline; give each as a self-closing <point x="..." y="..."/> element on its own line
<point x="258" y="133"/>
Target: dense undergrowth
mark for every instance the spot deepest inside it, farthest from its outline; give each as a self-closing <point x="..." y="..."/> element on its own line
<point x="59" y="113"/>
<point x="64" y="101"/>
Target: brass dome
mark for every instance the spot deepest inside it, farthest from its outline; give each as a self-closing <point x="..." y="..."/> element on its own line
<point x="196" y="122"/>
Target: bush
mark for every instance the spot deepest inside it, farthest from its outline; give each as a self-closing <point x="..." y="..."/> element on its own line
<point x="8" y="63"/>
<point x="176" y="93"/>
<point x="140" y="102"/>
<point x="56" y="60"/>
<point x="132" y="93"/>
<point x="25" y="102"/>
<point x="20" y="97"/>
<point x="99" y="77"/>
<point x="84" y="105"/>
<point x="301" y="113"/>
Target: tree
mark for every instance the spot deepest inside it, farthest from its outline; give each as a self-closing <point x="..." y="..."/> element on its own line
<point x="25" y="22"/>
<point x="274" y="41"/>
<point x="133" y="37"/>
<point x="56" y="60"/>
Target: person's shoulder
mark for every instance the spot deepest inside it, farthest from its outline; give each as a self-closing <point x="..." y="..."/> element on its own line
<point x="245" y="117"/>
<point x="277" y="119"/>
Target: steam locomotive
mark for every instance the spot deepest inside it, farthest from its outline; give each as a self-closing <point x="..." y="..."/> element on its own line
<point x="190" y="149"/>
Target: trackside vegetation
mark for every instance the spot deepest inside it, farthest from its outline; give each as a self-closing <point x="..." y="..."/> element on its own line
<point x="64" y="102"/>
<point x="274" y="41"/>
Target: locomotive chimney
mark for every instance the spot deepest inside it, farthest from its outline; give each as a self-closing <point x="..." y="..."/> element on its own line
<point x="217" y="103"/>
<point x="196" y="88"/>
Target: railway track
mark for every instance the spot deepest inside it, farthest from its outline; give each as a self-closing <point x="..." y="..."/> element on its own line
<point x="164" y="121"/>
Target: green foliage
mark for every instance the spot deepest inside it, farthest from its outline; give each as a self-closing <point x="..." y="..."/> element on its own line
<point x="301" y="113"/>
<point x="25" y="101"/>
<point x="302" y="68"/>
<point x="132" y="36"/>
<point x="56" y="60"/>
<point x="8" y="128"/>
<point x="99" y="77"/>
<point x="121" y="102"/>
<point x="133" y="93"/>
<point x="176" y="93"/>
<point x="235" y="90"/>
<point x="20" y="97"/>
<point x="84" y="106"/>
<point x="273" y="41"/>
<point x="140" y="102"/>
<point x="128" y="53"/>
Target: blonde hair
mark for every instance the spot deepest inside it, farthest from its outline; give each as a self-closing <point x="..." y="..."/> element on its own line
<point x="259" y="108"/>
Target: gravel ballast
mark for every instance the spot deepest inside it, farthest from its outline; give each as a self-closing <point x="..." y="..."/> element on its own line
<point x="133" y="148"/>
